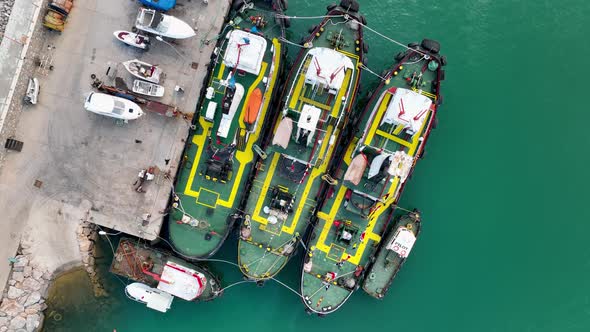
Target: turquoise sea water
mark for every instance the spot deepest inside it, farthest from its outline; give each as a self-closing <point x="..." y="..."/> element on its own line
<point x="502" y="189"/>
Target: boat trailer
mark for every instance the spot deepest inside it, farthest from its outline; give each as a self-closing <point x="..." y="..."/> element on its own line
<point x="123" y="92"/>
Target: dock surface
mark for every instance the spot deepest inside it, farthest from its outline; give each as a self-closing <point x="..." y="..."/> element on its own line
<point x="86" y="164"/>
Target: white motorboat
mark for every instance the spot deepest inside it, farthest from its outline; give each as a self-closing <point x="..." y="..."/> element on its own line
<point x="32" y="91"/>
<point x="133" y="39"/>
<point x="111" y="106"/>
<point x="152" y="21"/>
<point x="147" y="88"/>
<point x="154" y="298"/>
<point x="143" y="70"/>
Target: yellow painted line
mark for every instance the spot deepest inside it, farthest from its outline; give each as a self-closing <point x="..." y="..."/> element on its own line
<point x="398" y="129"/>
<point x="271" y="170"/>
<point x="325" y="146"/>
<point x="209" y="191"/>
<point x="329" y="219"/>
<point x="297" y="91"/>
<point x="377" y="119"/>
<point x="343" y="88"/>
<point x="246" y="156"/>
<point x="315" y="103"/>
<point x="416" y="138"/>
<point x="350" y="55"/>
<point x="200" y="142"/>
<point x="394" y="138"/>
<point x="221" y="70"/>
<point x="349" y="151"/>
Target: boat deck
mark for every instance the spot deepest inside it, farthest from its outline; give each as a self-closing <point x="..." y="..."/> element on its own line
<point x="220" y="152"/>
<point x="144" y="264"/>
<point x="353" y="220"/>
<point x="387" y="263"/>
<point x="284" y="193"/>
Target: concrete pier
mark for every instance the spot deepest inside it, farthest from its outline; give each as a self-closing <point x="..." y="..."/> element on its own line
<point x="77" y="165"/>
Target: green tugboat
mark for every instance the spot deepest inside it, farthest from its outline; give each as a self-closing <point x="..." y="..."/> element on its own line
<point x="392" y="254"/>
<point x="231" y="119"/>
<point x="391" y="133"/>
<point x="160" y="276"/>
<point x="314" y="107"/>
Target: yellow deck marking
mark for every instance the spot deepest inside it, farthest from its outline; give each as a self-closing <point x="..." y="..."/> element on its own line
<point x="348" y="54"/>
<point x="297" y="91"/>
<point x="271" y="170"/>
<point x="209" y="191"/>
<point x="198" y="140"/>
<point x="349" y="151"/>
<point x="343" y="88"/>
<point x="325" y="146"/>
<point x="329" y="219"/>
<point x="243" y="157"/>
<point x="398" y="129"/>
<point x="221" y="70"/>
<point x="315" y="103"/>
<point x="377" y="119"/>
<point x="394" y="138"/>
<point x="246" y="156"/>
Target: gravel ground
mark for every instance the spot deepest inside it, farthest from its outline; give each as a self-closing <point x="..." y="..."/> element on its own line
<point x="5" y="9"/>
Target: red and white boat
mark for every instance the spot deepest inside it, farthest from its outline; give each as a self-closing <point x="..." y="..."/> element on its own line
<point x="133" y="39"/>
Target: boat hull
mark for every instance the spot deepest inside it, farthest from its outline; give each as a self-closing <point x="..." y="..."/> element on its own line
<point x="386" y="263"/>
<point x="132" y="39"/>
<point x="169" y="26"/>
<point x="215" y="179"/>
<point x="151" y="73"/>
<point x="148" y="89"/>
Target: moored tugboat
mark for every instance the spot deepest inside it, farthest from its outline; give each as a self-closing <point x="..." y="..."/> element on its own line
<point x="392" y="254"/>
<point x="392" y="131"/>
<point x="232" y="116"/>
<point x="314" y="107"/>
<point x="160" y="276"/>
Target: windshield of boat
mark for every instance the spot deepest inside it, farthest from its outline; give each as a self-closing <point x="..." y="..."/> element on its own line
<point x="119" y="107"/>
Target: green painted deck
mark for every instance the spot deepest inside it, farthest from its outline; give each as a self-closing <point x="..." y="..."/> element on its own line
<point x="289" y="179"/>
<point x="387" y="263"/>
<point x="211" y="182"/>
<point x="334" y="267"/>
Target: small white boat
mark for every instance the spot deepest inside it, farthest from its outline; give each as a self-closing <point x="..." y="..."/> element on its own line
<point x="32" y="91"/>
<point x="133" y="39"/>
<point x="152" y="21"/>
<point x="143" y="70"/>
<point x="111" y="106"/>
<point x="147" y="88"/>
<point x="154" y="298"/>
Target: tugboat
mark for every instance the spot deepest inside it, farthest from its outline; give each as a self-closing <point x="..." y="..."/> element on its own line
<point x="392" y="254"/>
<point x="159" y="276"/>
<point x="314" y="107"/>
<point x="231" y="118"/>
<point x="392" y="130"/>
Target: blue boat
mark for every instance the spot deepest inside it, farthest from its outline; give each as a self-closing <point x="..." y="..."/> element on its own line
<point x="162" y="5"/>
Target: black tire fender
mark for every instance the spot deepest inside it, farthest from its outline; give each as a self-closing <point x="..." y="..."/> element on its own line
<point x="237" y="4"/>
<point x="331" y="6"/>
<point x="350" y="5"/>
<point x="312" y="28"/>
<point x="399" y="56"/>
<point x="430" y="45"/>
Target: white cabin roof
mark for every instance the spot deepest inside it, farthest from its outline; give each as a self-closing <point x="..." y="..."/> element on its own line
<point x="251" y="54"/>
<point x="327" y="67"/>
<point x="402" y="242"/>
<point x="310" y="115"/>
<point x="182" y="281"/>
<point x="407" y="108"/>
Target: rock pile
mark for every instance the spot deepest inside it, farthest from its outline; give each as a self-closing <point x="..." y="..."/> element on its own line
<point x="87" y="237"/>
<point x="23" y="301"/>
<point x="5" y="10"/>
